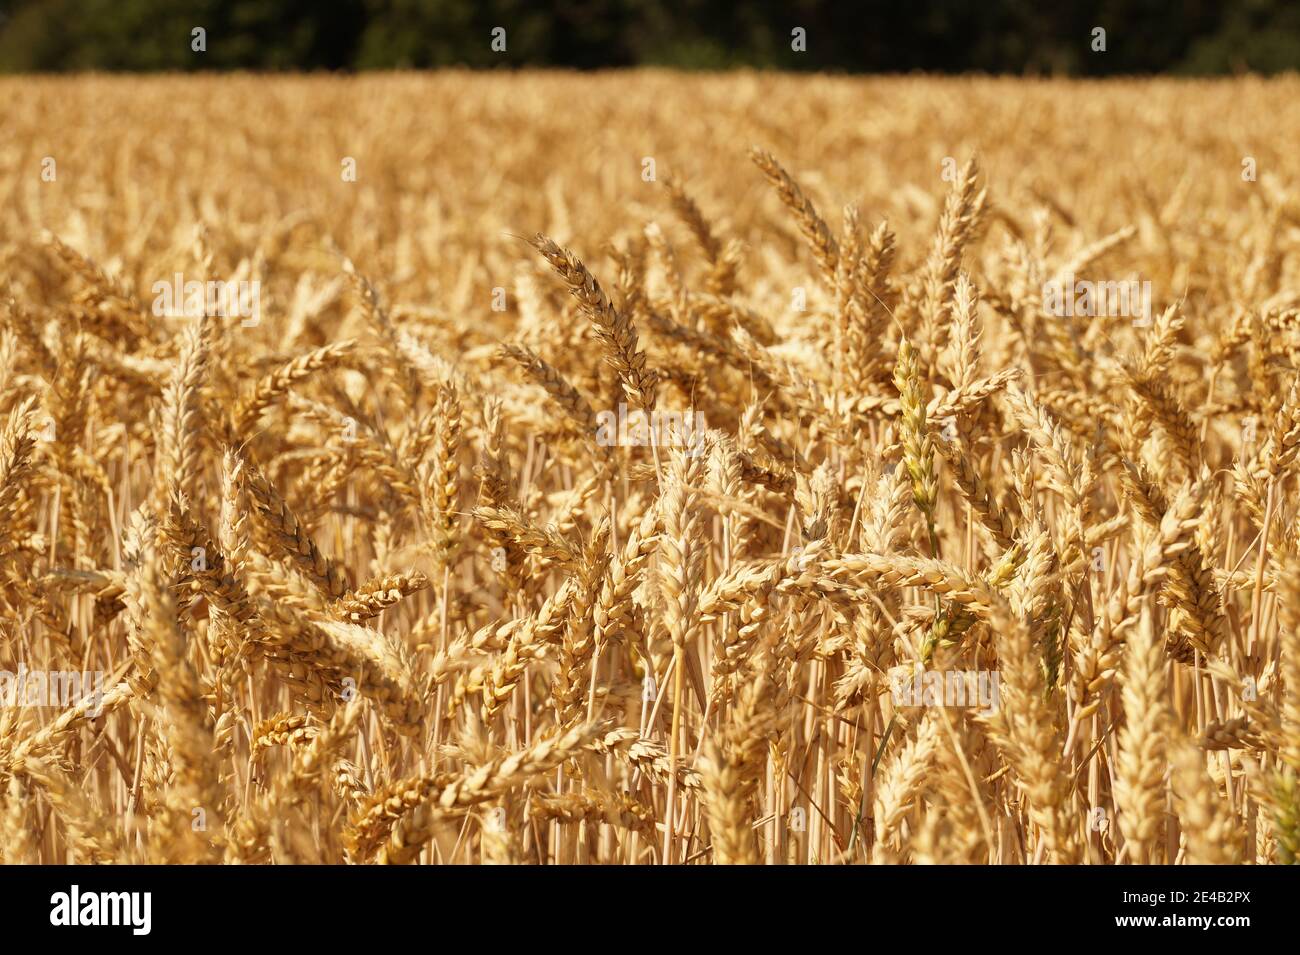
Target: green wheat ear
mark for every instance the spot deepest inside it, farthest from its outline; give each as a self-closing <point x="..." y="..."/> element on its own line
<point x="1053" y="648"/>
<point x="1286" y="815"/>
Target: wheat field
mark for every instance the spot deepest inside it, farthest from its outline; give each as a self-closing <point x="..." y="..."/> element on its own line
<point x="643" y="468"/>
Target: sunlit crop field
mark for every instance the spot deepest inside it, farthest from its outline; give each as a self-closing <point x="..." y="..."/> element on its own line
<point x="642" y="468"/>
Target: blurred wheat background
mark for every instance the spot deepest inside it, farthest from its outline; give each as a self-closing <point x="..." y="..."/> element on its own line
<point x="368" y="585"/>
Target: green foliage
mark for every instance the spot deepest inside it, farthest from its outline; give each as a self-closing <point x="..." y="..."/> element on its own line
<point x="1011" y="36"/>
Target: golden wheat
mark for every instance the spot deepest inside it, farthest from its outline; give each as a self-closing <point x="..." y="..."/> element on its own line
<point x="699" y="527"/>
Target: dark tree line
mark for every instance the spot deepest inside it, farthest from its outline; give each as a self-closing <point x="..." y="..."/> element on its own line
<point x="995" y="36"/>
